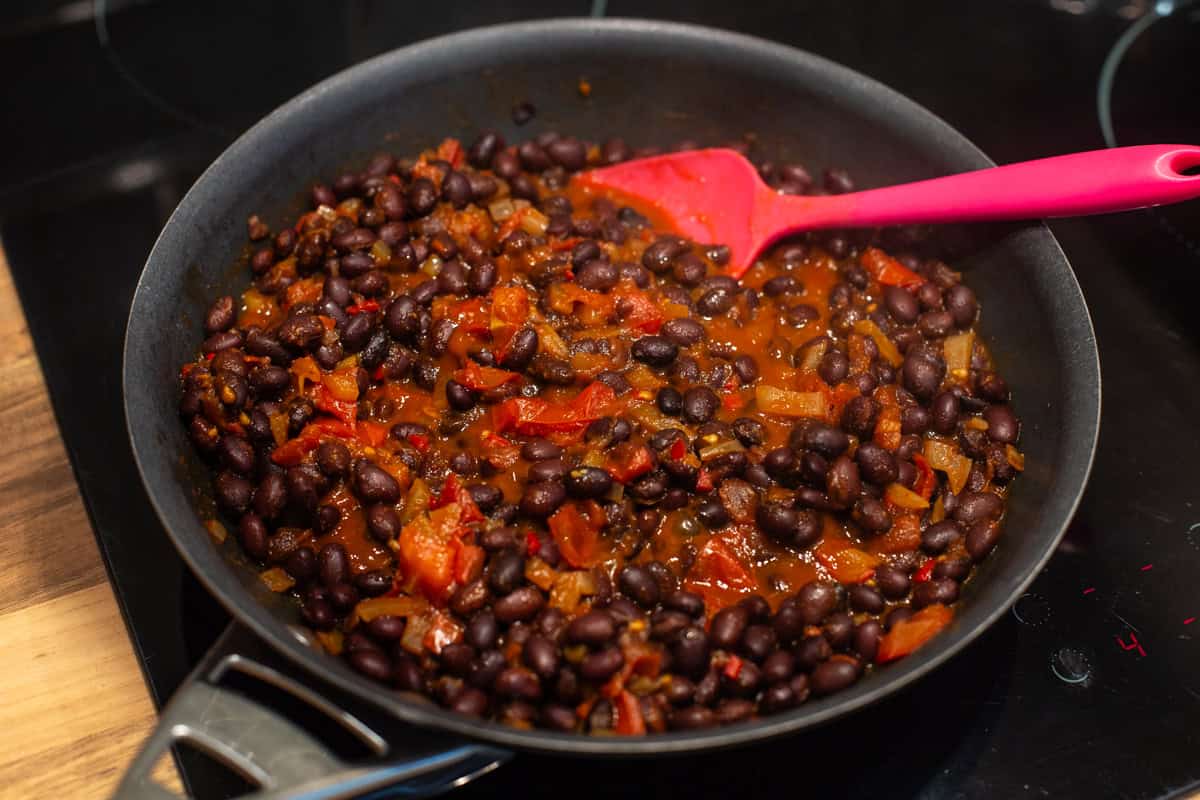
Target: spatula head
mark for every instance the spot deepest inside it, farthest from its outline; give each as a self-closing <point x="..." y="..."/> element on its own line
<point x="709" y="196"/>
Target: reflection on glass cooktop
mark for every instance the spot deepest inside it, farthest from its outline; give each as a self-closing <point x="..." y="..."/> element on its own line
<point x="1087" y="688"/>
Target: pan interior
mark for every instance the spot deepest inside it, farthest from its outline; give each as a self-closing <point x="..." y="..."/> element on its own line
<point x="652" y="84"/>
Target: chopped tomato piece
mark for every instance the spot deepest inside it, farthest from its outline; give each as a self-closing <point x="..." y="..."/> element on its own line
<point x="909" y="634"/>
<point x="510" y="310"/>
<point x="926" y="571"/>
<point x="305" y="369"/>
<point x="427" y="549"/>
<point x="536" y="417"/>
<point x="365" y="306"/>
<point x="372" y="434"/>
<point x="532" y="543"/>
<point x="733" y="667"/>
<point x="454" y="492"/>
<point x="719" y="576"/>
<point x="468" y="563"/>
<point x="443" y="630"/>
<point x="640" y="312"/>
<point x="904" y="535"/>
<point x="846" y="564"/>
<point x="451" y="150"/>
<point x="888" y="270"/>
<point x="419" y="441"/>
<point x="926" y="480"/>
<point x="469" y="315"/>
<point x="346" y="411"/>
<point x="627" y="461"/>
<point x="628" y="712"/>
<point x="294" y="450"/>
<point x="482" y="379"/>
<point x="576" y="530"/>
<point x="342" y="383"/>
<point x="888" y="428"/>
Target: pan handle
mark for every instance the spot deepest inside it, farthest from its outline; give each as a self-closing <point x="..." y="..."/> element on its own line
<point x="249" y="736"/>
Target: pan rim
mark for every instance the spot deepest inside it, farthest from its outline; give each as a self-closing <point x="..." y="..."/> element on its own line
<point x="1085" y="370"/>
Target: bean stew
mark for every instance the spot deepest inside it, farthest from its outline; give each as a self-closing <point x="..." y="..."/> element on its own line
<point x="514" y="446"/>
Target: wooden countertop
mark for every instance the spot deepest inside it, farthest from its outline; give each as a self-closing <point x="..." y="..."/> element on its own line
<point x="75" y="706"/>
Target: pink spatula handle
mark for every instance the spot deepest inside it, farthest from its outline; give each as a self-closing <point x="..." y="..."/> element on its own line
<point x="1094" y="182"/>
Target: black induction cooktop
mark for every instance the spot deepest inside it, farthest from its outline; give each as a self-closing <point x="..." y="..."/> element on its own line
<point x="1088" y="688"/>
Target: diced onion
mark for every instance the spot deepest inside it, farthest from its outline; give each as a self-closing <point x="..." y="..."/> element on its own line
<point x="534" y="222"/>
<point x="216" y="530"/>
<point x="813" y="354"/>
<point x="887" y="348"/>
<point x="1015" y="458"/>
<point x="899" y="495"/>
<point x="276" y="579"/>
<point x="944" y="456"/>
<point x="540" y="574"/>
<point x="958" y="349"/>
<point x="772" y="400"/>
<point x="721" y="448"/>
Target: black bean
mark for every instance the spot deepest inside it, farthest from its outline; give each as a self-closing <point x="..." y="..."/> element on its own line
<point x="506" y="572"/>
<point x="876" y="464"/>
<point x="981" y="538"/>
<point x="596" y="627"/>
<point x="638" y="583"/>
<point x="961" y="304"/>
<point x="484" y="149"/>
<point x="658" y="256"/>
<point x="864" y="598"/>
<point x="691" y="718"/>
<point x="816" y="599"/>
<point x="940" y="535"/>
<point x="485" y="496"/>
<point x="383" y="522"/>
<point x="759" y="641"/>
<point x="253" y="536"/>
<point x="825" y="439"/>
<point x="833" y="367"/>
<point x="386" y="628"/>
<point x="683" y="331"/>
<point x="872" y="515"/>
<point x="935" y="590"/>
<point x="838" y="629"/>
<point x="715" y="302"/>
<point x="973" y="507"/>
<point x="669" y="401"/>
<point x="1003" y="425"/>
<point x="901" y="304"/>
<point x="588" y="482"/>
<point x="688" y="270"/>
<point x="459" y="397"/>
<point x="373" y="583"/>
<point x="456" y="189"/>
<point x="522" y="604"/>
<point x="373" y="485"/>
<point x="301" y="564"/>
<point x="518" y="682"/>
<point x="551" y="469"/>
<point x="470" y="701"/>
<point x="686" y="602"/>
<point x="700" y="404"/>
<point x="233" y="493"/>
<point x="220" y="316"/>
<point x="540" y="450"/>
<point x="935" y="324"/>
<point x="421" y="197"/>
<point x="990" y="385"/>
<point x="859" y="416"/>
<point x="482" y="278"/>
<point x="745" y="681"/>
<point x="746" y="368"/>
<point x="956" y="569"/>
<point x="689" y="654"/>
<point x="569" y="152"/>
<point x="665" y="624"/>
<point x="892" y="581"/>
<point x="811" y="651"/>
<point x="781" y="285"/>
<point x="657" y="351"/>
<point x="842" y="482"/>
<point x="922" y="374"/>
<point x="834" y="675"/>
<point x="540" y="655"/>
<point x="597" y="275"/>
<point x="601" y="665"/>
<point x="800" y="315"/>
<point x="328" y="517"/>
<point x="373" y="663"/>
<point x="521" y="350"/>
<point x="727" y="627"/>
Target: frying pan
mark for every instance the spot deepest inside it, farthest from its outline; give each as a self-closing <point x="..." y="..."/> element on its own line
<point x="652" y="83"/>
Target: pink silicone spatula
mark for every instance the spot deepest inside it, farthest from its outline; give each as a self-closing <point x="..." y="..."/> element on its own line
<point x="716" y="196"/>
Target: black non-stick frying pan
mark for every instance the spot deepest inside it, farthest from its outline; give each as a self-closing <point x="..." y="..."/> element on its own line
<point x="652" y="83"/>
